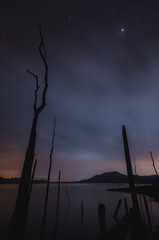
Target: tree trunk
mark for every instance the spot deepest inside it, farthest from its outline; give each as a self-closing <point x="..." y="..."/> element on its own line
<point x="19" y="217"/>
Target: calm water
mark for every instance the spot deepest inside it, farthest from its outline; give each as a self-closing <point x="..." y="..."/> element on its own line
<point x="69" y="222"/>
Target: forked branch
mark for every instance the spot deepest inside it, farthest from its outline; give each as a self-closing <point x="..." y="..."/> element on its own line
<point x="42" y="51"/>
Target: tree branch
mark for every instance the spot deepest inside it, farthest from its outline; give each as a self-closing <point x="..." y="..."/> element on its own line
<point x="153" y="163"/>
<point x="36" y="90"/>
<point x="42" y="51"/>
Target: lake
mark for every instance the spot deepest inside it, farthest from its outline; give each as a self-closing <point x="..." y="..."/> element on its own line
<point x="70" y="225"/>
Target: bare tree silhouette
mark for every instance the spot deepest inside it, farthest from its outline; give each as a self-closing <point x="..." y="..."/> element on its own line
<point x="19" y="217"/>
<point x="42" y="232"/>
<point x="153" y="163"/>
<point x="139" y="230"/>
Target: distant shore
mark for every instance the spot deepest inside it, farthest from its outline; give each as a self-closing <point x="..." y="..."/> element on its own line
<point x="17" y="181"/>
<point x="150" y="190"/>
<point x="107" y="177"/>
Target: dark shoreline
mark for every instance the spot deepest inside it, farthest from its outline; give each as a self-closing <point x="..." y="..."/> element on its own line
<point x="150" y="190"/>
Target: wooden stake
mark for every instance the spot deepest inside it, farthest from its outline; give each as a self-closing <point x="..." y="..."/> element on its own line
<point x="48" y="183"/>
<point x="117" y="209"/>
<point x="81" y="211"/>
<point x="102" y="222"/>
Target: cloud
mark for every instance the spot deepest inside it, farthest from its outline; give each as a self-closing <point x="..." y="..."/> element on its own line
<point x="99" y="79"/>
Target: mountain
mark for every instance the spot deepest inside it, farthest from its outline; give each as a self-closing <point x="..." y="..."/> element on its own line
<point x="116" y="177"/>
<point x="108" y="177"/>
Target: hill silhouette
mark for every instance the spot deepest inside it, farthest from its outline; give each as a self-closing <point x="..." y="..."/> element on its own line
<point x="116" y="177"/>
<point x="107" y="177"/>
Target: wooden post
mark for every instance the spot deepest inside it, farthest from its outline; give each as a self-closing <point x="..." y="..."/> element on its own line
<point x="139" y="230"/>
<point x="58" y="195"/>
<point x="117" y="209"/>
<point x="57" y="208"/>
<point x="129" y="171"/>
<point x="102" y="222"/>
<point x="42" y="234"/>
<point x="82" y="212"/>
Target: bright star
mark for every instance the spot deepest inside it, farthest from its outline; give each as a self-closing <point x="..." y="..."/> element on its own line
<point x="123" y="29"/>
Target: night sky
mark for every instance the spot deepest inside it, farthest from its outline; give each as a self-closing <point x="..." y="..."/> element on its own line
<point x="103" y="59"/>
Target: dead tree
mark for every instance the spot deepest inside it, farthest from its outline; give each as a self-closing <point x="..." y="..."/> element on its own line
<point x="153" y="163"/>
<point x="19" y="217"/>
<point x="42" y="233"/>
<point x="139" y="230"/>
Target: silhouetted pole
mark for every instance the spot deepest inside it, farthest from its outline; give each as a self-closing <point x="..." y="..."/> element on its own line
<point x="140" y="202"/>
<point x="153" y="163"/>
<point x="82" y="212"/>
<point x="139" y="230"/>
<point x="129" y="171"/>
<point x="58" y="195"/>
<point x="48" y="182"/>
<point x="58" y="202"/>
<point x="102" y="223"/>
<point x="49" y="172"/>
<point x="117" y="209"/>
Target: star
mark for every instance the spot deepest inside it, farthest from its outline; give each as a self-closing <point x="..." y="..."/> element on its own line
<point x="123" y="29"/>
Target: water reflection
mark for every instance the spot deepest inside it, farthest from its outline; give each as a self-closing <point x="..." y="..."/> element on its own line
<point x="69" y="226"/>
